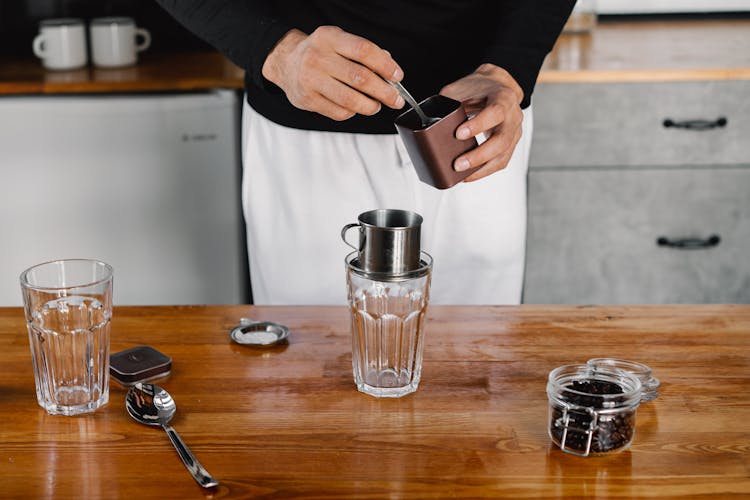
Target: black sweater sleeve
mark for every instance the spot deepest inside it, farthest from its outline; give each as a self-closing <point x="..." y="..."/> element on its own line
<point x="450" y="39"/>
<point x="526" y="34"/>
<point x="244" y="30"/>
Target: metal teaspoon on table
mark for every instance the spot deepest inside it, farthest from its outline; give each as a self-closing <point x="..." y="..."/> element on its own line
<point x="151" y="405"/>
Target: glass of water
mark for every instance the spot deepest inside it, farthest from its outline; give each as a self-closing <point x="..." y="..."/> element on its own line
<point x="68" y="307"/>
<point x="388" y="312"/>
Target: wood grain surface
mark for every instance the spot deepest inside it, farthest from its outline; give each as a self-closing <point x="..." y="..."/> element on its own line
<point x="155" y="72"/>
<point x="288" y="422"/>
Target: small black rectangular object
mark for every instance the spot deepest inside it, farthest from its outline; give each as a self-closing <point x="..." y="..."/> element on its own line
<point x="139" y="364"/>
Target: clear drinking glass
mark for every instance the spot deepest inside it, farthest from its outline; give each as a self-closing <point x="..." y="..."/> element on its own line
<point x="388" y="318"/>
<point x="68" y="307"/>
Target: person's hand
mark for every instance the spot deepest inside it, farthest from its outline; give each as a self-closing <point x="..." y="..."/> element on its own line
<point x="495" y="97"/>
<point x="334" y="73"/>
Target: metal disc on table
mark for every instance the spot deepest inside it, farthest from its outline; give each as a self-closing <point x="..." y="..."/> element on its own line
<point x="259" y="333"/>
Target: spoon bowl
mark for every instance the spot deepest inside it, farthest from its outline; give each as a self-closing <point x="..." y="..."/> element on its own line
<point x="426" y="120"/>
<point x="149" y="404"/>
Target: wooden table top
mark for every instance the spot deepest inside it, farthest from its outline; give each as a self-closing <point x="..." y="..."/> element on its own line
<point x="288" y="421"/>
<point x="645" y="50"/>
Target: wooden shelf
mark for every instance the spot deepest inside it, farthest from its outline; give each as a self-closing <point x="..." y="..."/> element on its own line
<point x="153" y="73"/>
<point x="711" y="49"/>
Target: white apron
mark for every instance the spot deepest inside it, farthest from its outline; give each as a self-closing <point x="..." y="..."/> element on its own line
<point x="301" y="187"/>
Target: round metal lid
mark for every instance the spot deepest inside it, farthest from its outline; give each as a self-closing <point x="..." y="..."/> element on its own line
<point x="259" y="333"/>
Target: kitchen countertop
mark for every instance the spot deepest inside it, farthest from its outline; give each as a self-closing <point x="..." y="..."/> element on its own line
<point x="288" y="421"/>
<point x="623" y="51"/>
<point x="155" y="72"/>
<point x="644" y="50"/>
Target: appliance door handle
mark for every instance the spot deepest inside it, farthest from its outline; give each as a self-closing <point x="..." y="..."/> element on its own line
<point x="696" y="124"/>
<point x="689" y="243"/>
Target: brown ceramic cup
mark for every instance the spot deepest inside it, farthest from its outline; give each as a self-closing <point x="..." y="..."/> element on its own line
<point x="434" y="148"/>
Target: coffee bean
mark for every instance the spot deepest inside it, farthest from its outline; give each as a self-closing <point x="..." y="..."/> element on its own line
<point x="610" y="432"/>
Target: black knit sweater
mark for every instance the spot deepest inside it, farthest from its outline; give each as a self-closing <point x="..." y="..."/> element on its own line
<point x="434" y="41"/>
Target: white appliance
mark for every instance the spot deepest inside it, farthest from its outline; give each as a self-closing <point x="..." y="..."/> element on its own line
<point x="670" y="6"/>
<point x="149" y="183"/>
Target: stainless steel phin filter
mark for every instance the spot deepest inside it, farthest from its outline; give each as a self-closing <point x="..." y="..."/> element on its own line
<point x="389" y="242"/>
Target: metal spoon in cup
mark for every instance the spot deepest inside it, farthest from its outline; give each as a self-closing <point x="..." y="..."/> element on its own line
<point x="426" y="120"/>
<point x="151" y="405"/>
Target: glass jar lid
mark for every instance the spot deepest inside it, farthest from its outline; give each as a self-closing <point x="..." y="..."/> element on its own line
<point x="649" y="383"/>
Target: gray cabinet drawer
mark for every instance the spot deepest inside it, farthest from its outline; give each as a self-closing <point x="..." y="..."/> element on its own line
<point x="592" y="235"/>
<point x="621" y="124"/>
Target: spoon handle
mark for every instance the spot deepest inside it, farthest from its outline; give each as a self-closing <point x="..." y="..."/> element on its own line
<point x="412" y="102"/>
<point x="200" y="474"/>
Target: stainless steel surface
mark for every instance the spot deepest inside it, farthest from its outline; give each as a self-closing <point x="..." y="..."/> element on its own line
<point x="389" y="241"/>
<point x="151" y="405"/>
<point x="426" y="120"/>
<point x="144" y="171"/>
<point x="259" y="333"/>
<point x="425" y="265"/>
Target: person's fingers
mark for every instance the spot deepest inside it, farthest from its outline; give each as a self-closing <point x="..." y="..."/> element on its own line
<point x="320" y="104"/>
<point x="365" y="52"/>
<point x="503" y="139"/>
<point x="492" y="147"/>
<point x="474" y="105"/>
<point x="362" y="79"/>
<point x="497" y="163"/>
<point x="347" y="97"/>
<point x="496" y="111"/>
<point x="315" y="88"/>
<point x="334" y="73"/>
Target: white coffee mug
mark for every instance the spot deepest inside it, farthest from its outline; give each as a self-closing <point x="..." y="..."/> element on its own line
<point x="61" y="43"/>
<point x="116" y="41"/>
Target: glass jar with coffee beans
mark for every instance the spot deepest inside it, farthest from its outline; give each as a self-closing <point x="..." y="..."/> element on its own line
<point x="592" y="410"/>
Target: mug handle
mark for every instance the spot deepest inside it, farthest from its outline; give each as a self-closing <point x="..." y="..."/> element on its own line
<point x="38" y="45"/>
<point x="343" y="235"/>
<point x="146" y="39"/>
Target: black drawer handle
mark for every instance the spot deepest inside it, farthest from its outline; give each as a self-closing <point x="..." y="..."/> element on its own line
<point x="696" y="124"/>
<point x="689" y="243"/>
